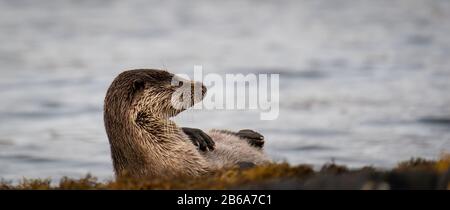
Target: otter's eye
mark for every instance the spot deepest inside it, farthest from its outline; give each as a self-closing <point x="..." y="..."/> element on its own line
<point x="177" y="82"/>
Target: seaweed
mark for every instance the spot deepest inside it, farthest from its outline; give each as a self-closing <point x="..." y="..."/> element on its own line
<point x="416" y="173"/>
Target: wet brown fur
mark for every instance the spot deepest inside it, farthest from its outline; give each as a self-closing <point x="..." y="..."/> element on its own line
<point x="146" y="143"/>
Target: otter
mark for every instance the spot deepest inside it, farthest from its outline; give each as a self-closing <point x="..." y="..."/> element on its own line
<point x="145" y="142"/>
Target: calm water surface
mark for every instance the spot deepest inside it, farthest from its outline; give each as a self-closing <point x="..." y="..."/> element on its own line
<point x="362" y="83"/>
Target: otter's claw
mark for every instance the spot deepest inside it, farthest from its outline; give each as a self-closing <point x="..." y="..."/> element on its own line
<point x="253" y="137"/>
<point x="199" y="138"/>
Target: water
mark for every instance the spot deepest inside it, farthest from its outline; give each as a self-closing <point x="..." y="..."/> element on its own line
<point x="362" y="83"/>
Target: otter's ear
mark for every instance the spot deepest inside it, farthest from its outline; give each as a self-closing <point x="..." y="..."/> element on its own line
<point x="138" y="85"/>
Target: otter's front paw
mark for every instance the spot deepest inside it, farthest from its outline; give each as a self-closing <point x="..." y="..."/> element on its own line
<point x="252" y="137"/>
<point x="199" y="138"/>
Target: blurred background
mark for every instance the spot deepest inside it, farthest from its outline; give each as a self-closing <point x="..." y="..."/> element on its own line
<point x="361" y="82"/>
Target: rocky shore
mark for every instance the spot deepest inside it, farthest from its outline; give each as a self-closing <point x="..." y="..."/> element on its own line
<point x="415" y="174"/>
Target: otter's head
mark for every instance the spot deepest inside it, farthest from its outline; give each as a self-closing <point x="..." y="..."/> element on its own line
<point x="155" y="92"/>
